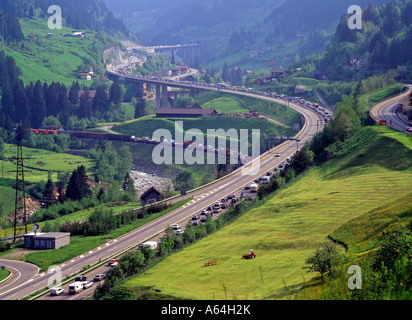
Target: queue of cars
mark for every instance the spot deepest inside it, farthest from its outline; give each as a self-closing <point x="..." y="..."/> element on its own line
<point x="325" y="114"/>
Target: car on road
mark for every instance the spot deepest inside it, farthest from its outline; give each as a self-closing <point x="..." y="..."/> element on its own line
<point x="247" y="187"/>
<point x="56" y="291"/>
<point x="276" y="169"/>
<point x="111" y="262"/>
<point x="203" y="213"/>
<point x="195" y="217"/>
<point x="80" y="278"/>
<point x="268" y="173"/>
<point x="230" y="196"/>
<point x="223" y="206"/>
<point x="209" y="208"/>
<point x="176" y="226"/>
<point x="99" y="277"/>
<point x="179" y="232"/>
<point x="277" y="155"/>
<point x="87" y="284"/>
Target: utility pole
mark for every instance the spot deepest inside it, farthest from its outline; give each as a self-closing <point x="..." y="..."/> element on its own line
<point x="20" y="187"/>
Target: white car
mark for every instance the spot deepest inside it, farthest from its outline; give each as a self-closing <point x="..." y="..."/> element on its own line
<point x="87" y="284"/>
<point x="99" y="277"/>
<point x="56" y="291"/>
<point x="179" y="232"/>
<point x="176" y="226"/>
<point x="277" y="155"/>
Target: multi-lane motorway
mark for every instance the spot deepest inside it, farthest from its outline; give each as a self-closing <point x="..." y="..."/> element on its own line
<point x="201" y="198"/>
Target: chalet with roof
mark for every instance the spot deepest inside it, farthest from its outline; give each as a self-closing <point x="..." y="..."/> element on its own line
<point x="193" y="106"/>
<point x="151" y="196"/>
<point x="280" y="73"/>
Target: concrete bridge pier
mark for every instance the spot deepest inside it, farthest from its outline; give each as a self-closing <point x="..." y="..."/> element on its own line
<point x="158" y="106"/>
<point x="165" y="97"/>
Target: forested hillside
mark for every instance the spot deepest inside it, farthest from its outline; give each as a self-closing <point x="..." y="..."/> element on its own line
<point x="384" y="43"/>
<point x="240" y="32"/>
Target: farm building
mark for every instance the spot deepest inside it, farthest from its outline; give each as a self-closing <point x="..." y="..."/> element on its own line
<point x="151" y="196"/>
<point x="185" y="113"/>
<point x="51" y="240"/>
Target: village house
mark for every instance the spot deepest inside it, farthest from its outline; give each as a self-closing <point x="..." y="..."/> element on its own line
<point x="151" y="196"/>
<point x="85" y="76"/>
<point x="280" y="73"/>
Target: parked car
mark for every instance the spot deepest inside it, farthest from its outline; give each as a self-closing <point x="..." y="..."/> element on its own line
<point x="247" y="187"/>
<point x="176" y="226"/>
<point x="196" y="223"/>
<point x="203" y="219"/>
<point x="56" y="291"/>
<point x="99" y="277"/>
<point x="195" y="217"/>
<point x="203" y="213"/>
<point x="268" y="173"/>
<point x="179" y="232"/>
<point x="210" y="208"/>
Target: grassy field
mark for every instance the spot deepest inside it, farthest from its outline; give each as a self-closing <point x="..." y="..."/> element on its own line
<point x="286" y="228"/>
<point x="57" y="59"/>
<point x="147" y="127"/>
<point x="42" y="161"/>
<point x="230" y="103"/>
<point x="36" y="169"/>
<point x="80" y="244"/>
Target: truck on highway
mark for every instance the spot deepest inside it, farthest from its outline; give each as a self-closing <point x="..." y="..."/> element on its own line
<point x="150" y="244"/>
<point x="75" y="287"/>
<point x="254" y="187"/>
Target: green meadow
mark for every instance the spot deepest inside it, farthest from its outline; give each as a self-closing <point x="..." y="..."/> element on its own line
<point x="286" y="227"/>
<point x="37" y="168"/>
<point x="58" y="59"/>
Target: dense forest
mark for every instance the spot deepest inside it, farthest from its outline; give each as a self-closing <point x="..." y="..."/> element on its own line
<point x="383" y="43"/>
<point x="228" y="30"/>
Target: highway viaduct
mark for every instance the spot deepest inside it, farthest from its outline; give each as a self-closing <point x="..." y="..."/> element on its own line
<point x="161" y="88"/>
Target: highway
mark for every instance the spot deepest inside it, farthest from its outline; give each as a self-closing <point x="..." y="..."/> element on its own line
<point x="201" y="198"/>
<point x="387" y="110"/>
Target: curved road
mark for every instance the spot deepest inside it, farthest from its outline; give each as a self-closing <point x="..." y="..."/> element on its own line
<point x="202" y="198"/>
<point x="387" y="110"/>
<point x="21" y="273"/>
